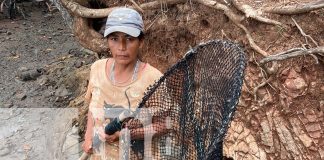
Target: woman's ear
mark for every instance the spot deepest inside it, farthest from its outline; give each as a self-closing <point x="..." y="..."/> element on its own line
<point x="109" y="52"/>
<point x="141" y="43"/>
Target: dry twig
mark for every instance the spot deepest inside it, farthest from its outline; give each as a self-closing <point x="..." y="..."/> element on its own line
<point x="296" y="9"/>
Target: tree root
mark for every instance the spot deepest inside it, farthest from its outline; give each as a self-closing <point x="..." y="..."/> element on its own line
<point x="51" y="7"/>
<point x="304" y="34"/>
<point x="85" y="34"/>
<point x="137" y="6"/>
<point x="236" y="19"/>
<point x="1" y="6"/>
<point x="251" y="12"/>
<point x="259" y="86"/>
<point x="85" y="12"/>
<point x="292" y="53"/>
<point x="296" y="9"/>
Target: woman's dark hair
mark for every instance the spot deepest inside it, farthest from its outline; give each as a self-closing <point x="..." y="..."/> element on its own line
<point x="141" y="36"/>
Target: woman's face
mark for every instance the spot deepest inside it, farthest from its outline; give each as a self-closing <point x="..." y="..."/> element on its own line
<point x="124" y="48"/>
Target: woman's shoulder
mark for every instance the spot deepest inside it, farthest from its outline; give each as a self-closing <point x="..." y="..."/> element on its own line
<point x="150" y="70"/>
<point x="99" y="63"/>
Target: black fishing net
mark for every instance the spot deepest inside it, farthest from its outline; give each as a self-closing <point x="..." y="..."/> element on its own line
<point x="185" y="115"/>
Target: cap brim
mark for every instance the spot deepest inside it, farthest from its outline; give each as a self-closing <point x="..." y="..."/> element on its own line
<point x="134" y="32"/>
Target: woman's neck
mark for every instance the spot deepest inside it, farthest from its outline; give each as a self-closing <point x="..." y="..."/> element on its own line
<point x="124" y="74"/>
<point x="124" y="68"/>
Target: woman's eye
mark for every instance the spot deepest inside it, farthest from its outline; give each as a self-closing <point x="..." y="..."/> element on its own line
<point x="129" y="38"/>
<point x="113" y="39"/>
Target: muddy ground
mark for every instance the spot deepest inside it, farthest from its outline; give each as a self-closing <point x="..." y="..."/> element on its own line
<point x="32" y="89"/>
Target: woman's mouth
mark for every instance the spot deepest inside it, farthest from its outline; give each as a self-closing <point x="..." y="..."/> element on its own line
<point x="122" y="56"/>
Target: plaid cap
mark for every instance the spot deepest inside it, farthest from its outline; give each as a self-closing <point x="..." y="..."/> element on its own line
<point x="124" y="20"/>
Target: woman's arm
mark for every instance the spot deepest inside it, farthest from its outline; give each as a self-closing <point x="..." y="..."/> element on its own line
<point x="87" y="145"/>
<point x="157" y="128"/>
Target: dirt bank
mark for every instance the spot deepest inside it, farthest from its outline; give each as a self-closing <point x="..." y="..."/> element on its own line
<point x="282" y="120"/>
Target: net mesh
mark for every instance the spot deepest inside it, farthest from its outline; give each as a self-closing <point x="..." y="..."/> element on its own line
<point x="187" y="112"/>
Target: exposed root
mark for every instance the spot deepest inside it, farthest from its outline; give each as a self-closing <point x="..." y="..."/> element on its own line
<point x="304" y="34"/>
<point x="306" y="41"/>
<point x="273" y="69"/>
<point x="1" y="6"/>
<point x="292" y="53"/>
<point x="251" y="41"/>
<point x="224" y="35"/>
<point x="316" y="59"/>
<point x="259" y="86"/>
<point x="136" y="6"/>
<point x="236" y="19"/>
<point x="20" y="10"/>
<point x="296" y="9"/>
<point x="85" y="12"/>
<point x="85" y="34"/>
<point x="151" y="24"/>
<point x="51" y="7"/>
<point x="157" y="4"/>
<point x="251" y="12"/>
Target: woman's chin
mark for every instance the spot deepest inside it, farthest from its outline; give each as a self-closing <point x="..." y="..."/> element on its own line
<point x="123" y="61"/>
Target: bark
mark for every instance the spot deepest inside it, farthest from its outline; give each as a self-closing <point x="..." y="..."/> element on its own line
<point x="88" y="37"/>
<point x="296" y="9"/>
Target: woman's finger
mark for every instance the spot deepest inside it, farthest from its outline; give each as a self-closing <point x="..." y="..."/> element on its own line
<point x="102" y="135"/>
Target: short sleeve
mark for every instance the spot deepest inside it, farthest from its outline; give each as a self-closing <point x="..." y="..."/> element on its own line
<point x="88" y="94"/>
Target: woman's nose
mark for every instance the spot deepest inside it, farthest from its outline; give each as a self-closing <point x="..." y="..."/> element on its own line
<point x="122" y="45"/>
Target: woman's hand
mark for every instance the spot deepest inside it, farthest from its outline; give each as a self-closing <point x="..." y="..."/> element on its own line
<point x="108" y="138"/>
<point x="113" y="138"/>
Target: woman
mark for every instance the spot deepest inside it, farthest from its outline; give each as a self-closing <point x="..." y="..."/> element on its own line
<point x="117" y="82"/>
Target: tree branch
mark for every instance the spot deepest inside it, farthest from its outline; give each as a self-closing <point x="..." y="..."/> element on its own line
<point x="296" y="9"/>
